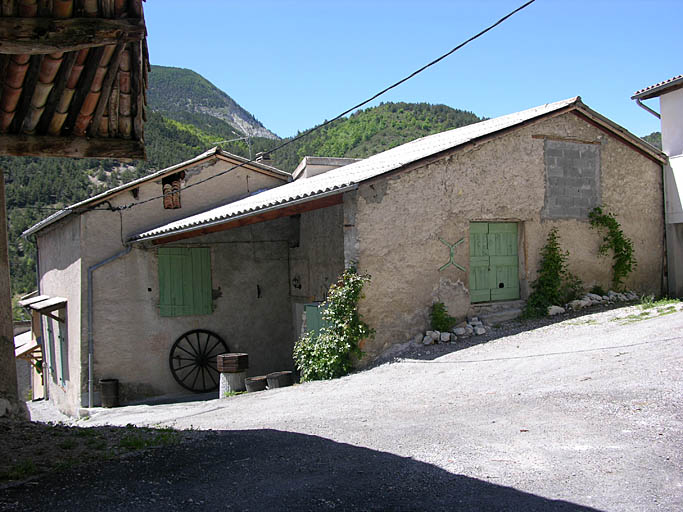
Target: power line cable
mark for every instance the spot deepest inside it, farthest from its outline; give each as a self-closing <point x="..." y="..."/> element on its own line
<point x="355" y="107"/>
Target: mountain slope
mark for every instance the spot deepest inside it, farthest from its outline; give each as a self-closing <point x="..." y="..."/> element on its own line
<point x="176" y="92"/>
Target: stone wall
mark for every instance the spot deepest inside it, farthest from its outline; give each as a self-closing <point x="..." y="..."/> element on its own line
<point x="401" y="221"/>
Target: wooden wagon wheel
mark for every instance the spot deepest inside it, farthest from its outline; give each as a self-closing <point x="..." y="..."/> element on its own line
<point x="193" y="360"/>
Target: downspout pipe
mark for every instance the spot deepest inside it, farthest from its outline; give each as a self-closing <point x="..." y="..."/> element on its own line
<point x="91" y="344"/>
<point x="645" y="107"/>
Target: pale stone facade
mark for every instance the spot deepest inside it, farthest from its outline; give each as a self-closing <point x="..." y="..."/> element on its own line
<point x="400" y="218"/>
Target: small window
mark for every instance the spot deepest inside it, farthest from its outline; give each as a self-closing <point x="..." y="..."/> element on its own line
<point x="185" y="281"/>
<point x="171" y="190"/>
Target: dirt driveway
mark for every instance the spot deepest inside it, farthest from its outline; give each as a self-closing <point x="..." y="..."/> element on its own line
<point x="583" y="413"/>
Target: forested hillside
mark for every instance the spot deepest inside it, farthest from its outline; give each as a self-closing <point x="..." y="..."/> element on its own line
<point x="36" y="187"/>
<point x="655" y="138"/>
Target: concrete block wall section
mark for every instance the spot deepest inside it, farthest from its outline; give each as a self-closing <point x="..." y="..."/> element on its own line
<point x="572" y="179"/>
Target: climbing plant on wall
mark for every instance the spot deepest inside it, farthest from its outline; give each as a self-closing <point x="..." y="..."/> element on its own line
<point x="555" y="285"/>
<point x="329" y="353"/>
<point x="613" y="238"/>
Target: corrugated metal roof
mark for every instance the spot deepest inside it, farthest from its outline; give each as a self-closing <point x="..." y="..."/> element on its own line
<point x="657" y="89"/>
<point x="99" y="198"/>
<point x="344" y="178"/>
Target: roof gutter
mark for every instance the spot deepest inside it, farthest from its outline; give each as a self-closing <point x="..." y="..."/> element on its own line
<point x="91" y="343"/>
<point x="251" y="213"/>
<point x="645" y="107"/>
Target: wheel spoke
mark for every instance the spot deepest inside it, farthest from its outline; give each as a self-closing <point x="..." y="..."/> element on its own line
<point x="187" y="340"/>
<point x="196" y="377"/>
<point x="187" y="375"/>
<point x="213" y="346"/>
<point x="188" y="353"/>
<point x="186" y="366"/>
<point x="203" y="380"/>
<point x="215" y="382"/>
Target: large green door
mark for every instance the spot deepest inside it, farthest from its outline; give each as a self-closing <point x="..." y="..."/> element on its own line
<point x="494" y="264"/>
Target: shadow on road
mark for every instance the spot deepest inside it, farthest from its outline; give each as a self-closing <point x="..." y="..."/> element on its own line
<point x="267" y="470"/>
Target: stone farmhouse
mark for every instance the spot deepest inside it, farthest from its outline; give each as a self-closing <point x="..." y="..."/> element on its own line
<point x="458" y="217"/>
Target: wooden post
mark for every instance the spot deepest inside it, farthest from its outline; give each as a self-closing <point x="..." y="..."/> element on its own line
<point x="9" y="404"/>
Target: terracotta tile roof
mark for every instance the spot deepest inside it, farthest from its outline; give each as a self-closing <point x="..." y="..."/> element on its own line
<point x="659" y="88"/>
<point x="75" y="70"/>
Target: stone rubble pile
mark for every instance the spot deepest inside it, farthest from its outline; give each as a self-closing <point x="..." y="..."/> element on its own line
<point x="591" y="299"/>
<point x="472" y="327"/>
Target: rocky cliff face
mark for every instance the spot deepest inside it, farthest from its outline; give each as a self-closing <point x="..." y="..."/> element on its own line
<point x="175" y="90"/>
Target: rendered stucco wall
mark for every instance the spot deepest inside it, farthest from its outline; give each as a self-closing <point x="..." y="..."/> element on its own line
<point x="69" y="247"/>
<point x="671" y="104"/>
<point x="59" y="251"/>
<point x="249" y="267"/>
<point x="400" y="219"/>
<point x="317" y="260"/>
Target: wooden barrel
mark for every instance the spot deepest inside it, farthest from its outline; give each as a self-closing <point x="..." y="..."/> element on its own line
<point x="279" y="380"/>
<point x="256" y="383"/>
<point x="233" y="362"/>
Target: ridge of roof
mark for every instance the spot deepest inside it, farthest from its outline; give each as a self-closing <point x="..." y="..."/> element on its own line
<point x="657" y="89"/>
<point x="214" y="152"/>
<point x="350" y="176"/>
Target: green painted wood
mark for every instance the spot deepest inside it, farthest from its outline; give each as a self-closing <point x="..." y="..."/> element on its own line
<point x="63" y="354"/>
<point x="51" y="344"/>
<point x="314" y="318"/>
<point x="494" y="263"/>
<point x="480" y="279"/>
<point x="502" y="241"/>
<point x="185" y="281"/>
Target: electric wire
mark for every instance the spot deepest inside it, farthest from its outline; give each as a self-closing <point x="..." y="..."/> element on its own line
<point x="326" y="123"/>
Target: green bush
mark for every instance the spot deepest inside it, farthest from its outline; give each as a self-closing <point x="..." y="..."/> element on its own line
<point x="440" y="319"/>
<point x="623" y="260"/>
<point x="330" y="354"/>
<point x="554" y="285"/>
<point x="598" y="290"/>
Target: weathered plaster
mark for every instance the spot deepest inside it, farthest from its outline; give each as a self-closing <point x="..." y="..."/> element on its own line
<point x="59" y="250"/>
<point x="499" y="180"/>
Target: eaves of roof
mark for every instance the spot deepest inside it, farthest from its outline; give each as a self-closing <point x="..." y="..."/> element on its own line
<point x="658" y="89"/>
<point x="211" y="154"/>
<point x="350" y="176"/>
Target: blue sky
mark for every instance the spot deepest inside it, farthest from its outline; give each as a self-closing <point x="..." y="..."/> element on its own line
<point x="294" y="64"/>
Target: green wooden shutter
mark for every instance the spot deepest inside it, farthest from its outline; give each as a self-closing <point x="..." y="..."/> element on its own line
<point x="63" y="354"/>
<point x="480" y="275"/>
<point x="51" y="344"/>
<point x="185" y="281"/>
<point x="494" y="263"/>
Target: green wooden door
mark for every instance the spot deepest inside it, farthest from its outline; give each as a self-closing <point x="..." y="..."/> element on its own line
<point x="494" y="264"/>
<point x="314" y="318"/>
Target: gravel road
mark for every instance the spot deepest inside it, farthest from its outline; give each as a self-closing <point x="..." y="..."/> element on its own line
<point x="582" y="414"/>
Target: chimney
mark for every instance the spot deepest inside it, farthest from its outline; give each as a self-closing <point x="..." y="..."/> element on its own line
<point x="263" y="158"/>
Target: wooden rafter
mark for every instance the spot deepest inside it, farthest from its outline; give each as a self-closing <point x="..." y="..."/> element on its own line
<point x="77" y="147"/>
<point x="285" y="211"/>
<point x="46" y="35"/>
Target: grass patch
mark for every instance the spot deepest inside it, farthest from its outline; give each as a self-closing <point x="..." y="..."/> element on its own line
<point x="20" y="470"/>
<point x="587" y="321"/>
<point x="649" y="302"/>
<point x="67" y="444"/>
<point x="229" y="394"/>
<point x="140" y="441"/>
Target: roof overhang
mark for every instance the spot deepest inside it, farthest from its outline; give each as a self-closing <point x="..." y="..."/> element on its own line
<point x="204" y="159"/>
<point x="658" y="89"/>
<point x="45" y="305"/>
<point x="332" y="183"/>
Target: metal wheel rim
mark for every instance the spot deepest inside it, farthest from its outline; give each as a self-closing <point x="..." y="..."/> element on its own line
<point x="193" y="360"/>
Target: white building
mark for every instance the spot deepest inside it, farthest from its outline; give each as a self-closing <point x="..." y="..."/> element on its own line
<point x="670" y="94"/>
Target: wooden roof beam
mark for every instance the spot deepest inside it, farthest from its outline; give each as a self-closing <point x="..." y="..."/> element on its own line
<point x="33" y="36"/>
<point x="76" y="147"/>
